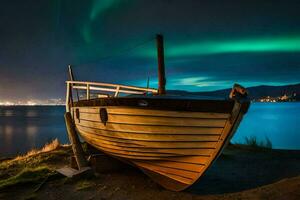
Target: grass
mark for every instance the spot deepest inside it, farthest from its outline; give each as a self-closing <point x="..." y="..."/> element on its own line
<point x="35" y="165"/>
<point x="27" y="175"/>
<point x="84" y="185"/>
<point x="53" y="145"/>
<point x="30" y="196"/>
<point x="52" y="155"/>
<point x="252" y="141"/>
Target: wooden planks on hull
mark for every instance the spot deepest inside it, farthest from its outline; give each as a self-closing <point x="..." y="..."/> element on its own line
<point x="155" y="121"/>
<point x="119" y="110"/>
<point x="149" y="137"/>
<point x="165" y="151"/>
<point x="184" y="169"/>
<point x="146" y="129"/>
<point x="192" y="167"/>
<point x="173" y="147"/>
<point x="182" y="175"/>
<point x="150" y="157"/>
<point x="148" y="144"/>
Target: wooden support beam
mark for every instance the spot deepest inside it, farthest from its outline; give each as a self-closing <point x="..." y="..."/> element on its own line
<point x="76" y="145"/>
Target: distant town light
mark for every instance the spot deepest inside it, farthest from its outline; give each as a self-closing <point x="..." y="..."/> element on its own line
<point x="33" y="102"/>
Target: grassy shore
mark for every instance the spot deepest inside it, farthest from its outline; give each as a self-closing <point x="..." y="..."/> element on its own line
<point x="241" y="172"/>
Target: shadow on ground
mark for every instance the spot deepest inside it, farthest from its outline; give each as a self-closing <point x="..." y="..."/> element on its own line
<point x="239" y="169"/>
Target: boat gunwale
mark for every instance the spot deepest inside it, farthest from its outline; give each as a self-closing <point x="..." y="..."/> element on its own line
<point x="167" y="104"/>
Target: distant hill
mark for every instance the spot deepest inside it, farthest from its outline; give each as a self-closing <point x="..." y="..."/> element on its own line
<point x="256" y="92"/>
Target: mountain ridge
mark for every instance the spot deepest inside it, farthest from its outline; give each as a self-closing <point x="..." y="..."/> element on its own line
<point x="255" y="92"/>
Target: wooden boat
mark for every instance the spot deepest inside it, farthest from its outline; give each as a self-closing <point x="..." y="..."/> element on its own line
<point x="172" y="139"/>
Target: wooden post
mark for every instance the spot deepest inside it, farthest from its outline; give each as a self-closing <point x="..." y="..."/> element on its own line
<point x="117" y="91"/>
<point x="68" y="98"/>
<point x="71" y="77"/>
<point x="76" y="145"/>
<point x="87" y="91"/>
<point x="161" y="64"/>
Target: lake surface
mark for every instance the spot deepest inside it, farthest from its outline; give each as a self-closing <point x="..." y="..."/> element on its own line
<point x="25" y="127"/>
<point x="279" y="122"/>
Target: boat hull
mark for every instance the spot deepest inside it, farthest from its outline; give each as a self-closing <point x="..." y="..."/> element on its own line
<point x="173" y="145"/>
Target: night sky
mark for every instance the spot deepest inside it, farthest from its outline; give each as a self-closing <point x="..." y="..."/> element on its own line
<point x="209" y="44"/>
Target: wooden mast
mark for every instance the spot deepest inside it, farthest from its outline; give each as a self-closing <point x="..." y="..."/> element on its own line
<point x="161" y="64"/>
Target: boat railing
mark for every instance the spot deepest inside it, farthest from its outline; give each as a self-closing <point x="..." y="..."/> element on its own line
<point x="105" y="89"/>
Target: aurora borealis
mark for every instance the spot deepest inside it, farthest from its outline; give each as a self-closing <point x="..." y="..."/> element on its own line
<point x="254" y="45"/>
<point x="208" y="44"/>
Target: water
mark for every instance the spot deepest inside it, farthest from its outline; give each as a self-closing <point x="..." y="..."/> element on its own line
<point x="280" y="122"/>
<point x="26" y="127"/>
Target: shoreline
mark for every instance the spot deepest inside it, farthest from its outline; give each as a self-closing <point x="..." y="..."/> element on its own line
<point x="236" y="174"/>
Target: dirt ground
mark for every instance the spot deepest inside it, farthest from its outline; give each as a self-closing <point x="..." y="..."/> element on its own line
<point x="239" y="173"/>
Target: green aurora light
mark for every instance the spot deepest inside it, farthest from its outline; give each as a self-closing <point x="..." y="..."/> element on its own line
<point x="98" y="7"/>
<point x="257" y="45"/>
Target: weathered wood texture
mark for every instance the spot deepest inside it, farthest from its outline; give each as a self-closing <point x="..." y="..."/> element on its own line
<point x="76" y="145"/>
<point x="173" y="147"/>
<point x="171" y="104"/>
<point x="161" y="64"/>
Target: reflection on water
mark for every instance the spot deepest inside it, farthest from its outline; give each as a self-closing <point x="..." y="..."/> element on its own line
<point x="31" y="130"/>
<point x="31" y="133"/>
<point x="8" y="131"/>
<point x="8" y="113"/>
<point x="31" y="113"/>
<point x="23" y="128"/>
<point x="277" y="121"/>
